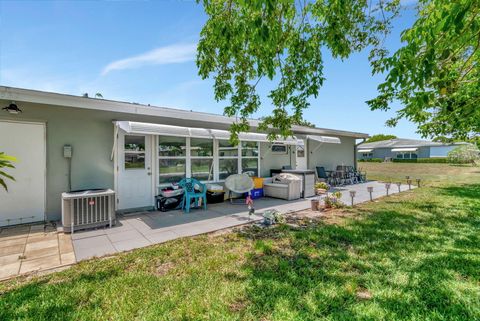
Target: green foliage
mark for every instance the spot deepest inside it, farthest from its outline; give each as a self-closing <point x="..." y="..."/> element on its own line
<point x="322" y="185"/>
<point x="305" y="123"/>
<point x="5" y="162"/>
<point x="333" y="200"/>
<point x="439" y="160"/>
<point x="371" y="160"/>
<point x="380" y="137"/>
<point x="464" y="154"/>
<point x="436" y="160"/>
<point x="413" y="256"/>
<point x="402" y="160"/>
<point x="435" y="74"/>
<point x="243" y="42"/>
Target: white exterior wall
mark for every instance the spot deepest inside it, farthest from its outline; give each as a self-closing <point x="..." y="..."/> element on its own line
<point x="441" y="151"/>
<point x="269" y="160"/>
<point x="331" y="155"/>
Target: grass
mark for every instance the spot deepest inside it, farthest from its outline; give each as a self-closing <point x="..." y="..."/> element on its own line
<point x="413" y="256"/>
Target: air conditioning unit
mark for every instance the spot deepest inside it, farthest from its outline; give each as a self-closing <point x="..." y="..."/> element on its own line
<point x="87" y="209"/>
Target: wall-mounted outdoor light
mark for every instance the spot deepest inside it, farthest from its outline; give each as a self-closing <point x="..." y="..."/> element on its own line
<point x="387" y="186"/>
<point x="370" y="190"/>
<point x="352" y="196"/>
<point x="12" y="108"/>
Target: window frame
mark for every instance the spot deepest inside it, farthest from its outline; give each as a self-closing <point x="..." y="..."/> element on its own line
<point x="215" y="158"/>
<point x="158" y="157"/>
<point x="134" y="152"/>
<point x="189" y="154"/>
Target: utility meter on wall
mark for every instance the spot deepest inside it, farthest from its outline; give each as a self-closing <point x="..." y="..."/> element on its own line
<point x="67" y="151"/>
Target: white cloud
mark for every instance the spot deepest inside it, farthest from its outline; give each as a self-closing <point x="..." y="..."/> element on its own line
<point x="172" y="54"/>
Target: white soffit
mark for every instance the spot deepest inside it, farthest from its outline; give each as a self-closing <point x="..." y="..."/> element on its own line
<point x="365" y="150"/>
<point x="412" y="149"/>
<point x="168" y="130"/>
<point x="325" y="139"/>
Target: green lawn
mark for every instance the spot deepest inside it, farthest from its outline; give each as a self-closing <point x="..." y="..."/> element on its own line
<point x="414" y="256"/>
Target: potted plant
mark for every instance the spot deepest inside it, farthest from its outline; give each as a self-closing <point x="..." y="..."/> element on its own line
<point x="321" y="188"/>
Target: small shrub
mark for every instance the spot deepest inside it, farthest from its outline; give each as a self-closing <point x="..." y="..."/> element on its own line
<point x="333" y="200"/>
<point x="273" y="217"/>
<point x="371" y="160"/>
<point x="436" y="160"/>
<point x="401" y="160"/>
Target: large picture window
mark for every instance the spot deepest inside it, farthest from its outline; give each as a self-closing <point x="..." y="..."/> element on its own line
<point x="204" y="159"/>
<point x="250" y="155"/>
<point x="201" y="154"/>
<point x="407" y="155"/>
<point x="172" y="152"/>
<point x="227" y="159"/>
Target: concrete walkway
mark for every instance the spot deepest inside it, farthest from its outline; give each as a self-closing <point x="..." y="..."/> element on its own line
<point x="143" y="229"/>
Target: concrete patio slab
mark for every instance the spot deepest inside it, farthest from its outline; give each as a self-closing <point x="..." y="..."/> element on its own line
<point x="9" y="269"/>
<point x="92" y="246"/>
<point x="30" y="248"/>
<point x="38" y="247"/>
<point x="128" y="245"/>
<point x="41" y="263"/>
<point x="142" y="229"/>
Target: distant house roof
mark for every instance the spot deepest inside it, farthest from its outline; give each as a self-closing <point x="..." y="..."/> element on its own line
<point x="402" y="143"/>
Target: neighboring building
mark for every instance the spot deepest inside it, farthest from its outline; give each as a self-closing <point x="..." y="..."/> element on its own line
<point x="66" y="142"/>
<point x="402" y="148"/>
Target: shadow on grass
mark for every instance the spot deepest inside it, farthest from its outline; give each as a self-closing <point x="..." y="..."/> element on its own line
<point x="75" y="294"/>
<point x="414" y="261"/>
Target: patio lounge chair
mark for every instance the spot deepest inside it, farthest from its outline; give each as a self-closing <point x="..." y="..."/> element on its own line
<point x="322" y="174"/>
<point x="195" y="190"/>
<point x="285" y="186"/>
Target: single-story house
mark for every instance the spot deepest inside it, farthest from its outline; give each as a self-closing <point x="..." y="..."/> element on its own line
<point x="402" y="148"/>
<point x="65" y="142"/>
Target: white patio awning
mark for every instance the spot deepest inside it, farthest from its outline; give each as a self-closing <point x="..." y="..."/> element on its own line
<point x="409" y="149"/>
<point x="325" y="139"/>
<point x="169" y="130"/>
<point x="365" y="150"/>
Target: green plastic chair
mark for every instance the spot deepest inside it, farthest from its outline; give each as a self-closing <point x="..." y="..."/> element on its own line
<point x="188" y="185"/>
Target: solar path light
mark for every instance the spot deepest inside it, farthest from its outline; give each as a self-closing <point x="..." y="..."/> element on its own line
<point x="370" y="190"/>
<point x="409" y="182"/>
<point x="387" y="187"/>
<point x="352" y="196"/>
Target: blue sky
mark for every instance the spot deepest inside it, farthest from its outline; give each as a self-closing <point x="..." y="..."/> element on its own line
<point x="144" y="52"/>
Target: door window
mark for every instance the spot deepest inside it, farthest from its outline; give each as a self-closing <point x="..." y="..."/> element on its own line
<point x="134" y="152"/>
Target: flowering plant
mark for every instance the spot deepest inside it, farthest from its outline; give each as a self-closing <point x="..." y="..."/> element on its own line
<point x="333" y="200"/>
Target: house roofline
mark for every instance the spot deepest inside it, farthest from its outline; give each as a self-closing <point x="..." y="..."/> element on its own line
<point x="67" y="100"/>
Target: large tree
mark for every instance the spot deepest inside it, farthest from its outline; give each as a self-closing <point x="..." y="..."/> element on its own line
<point x="380" y="137"/>
<point x="245" y="42"/>
<point x="434" y="75"/>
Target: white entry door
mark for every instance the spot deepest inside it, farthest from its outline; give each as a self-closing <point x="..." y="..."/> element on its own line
<point x="135" y="172"/>
<point x="25" y="200"/>
<point x="301" y="154"/>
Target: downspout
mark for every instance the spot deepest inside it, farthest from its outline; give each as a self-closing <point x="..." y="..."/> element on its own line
<point x="355" y="153"/>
